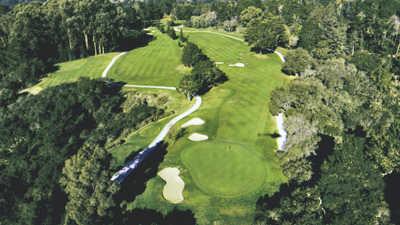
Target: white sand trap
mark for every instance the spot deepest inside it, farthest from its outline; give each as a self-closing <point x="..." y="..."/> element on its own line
<point x="282" y="132"/>
<point x="193" y="122"/>
<point x="219" y="63"/>
<point x="240" y="65"/>
<point x="198" y="137"/>
<point x="174" y="186"/>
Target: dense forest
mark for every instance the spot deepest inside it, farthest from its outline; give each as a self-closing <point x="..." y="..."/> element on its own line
<point x="342" y="110"/>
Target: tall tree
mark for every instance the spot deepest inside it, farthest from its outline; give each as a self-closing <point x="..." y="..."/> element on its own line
<point x="86" y="180"/>
<point x="323" y="33"/>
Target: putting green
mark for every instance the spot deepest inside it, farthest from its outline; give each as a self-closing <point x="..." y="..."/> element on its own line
<point x="222" y="169"/>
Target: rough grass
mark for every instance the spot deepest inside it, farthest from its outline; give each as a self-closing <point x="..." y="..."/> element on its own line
<point x="175" y="104"/>
<point x="240" y="148"/>
<point x="157" y="63"/>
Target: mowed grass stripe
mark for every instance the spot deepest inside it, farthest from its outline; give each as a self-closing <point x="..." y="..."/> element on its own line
<point x="154" y="64"/>
<point x="68" y="72"/>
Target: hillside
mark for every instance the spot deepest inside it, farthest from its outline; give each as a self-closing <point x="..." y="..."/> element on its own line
<point x="237" y="164"/>
<point x="207" y="112"/>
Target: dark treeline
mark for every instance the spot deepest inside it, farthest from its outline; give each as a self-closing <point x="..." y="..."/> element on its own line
<point x="34" y="36"/>
<point x="204" y="74"/>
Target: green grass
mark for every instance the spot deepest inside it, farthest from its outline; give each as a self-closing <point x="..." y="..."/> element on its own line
<point x="139" y="139"/>
<point x="226" y="175"/>
<point x="244" y="173"/>
<point x="68" y="72"/>
<point x="158" y="63"/>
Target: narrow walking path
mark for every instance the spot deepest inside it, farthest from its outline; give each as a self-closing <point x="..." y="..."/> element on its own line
<point x="150" y="87"/>
<point x="108" y="68"/>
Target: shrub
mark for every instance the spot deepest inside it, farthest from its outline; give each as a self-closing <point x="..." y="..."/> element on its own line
<point x="297" y="61"/>
<point x="207" y="19"/>
<point x="230" y="25"/>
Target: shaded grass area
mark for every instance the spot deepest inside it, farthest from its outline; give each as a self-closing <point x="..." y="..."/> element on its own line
<point x="158" y="63"/>
<point x="69" y="72"/>
<point x="173" y="104"/>
<point x="226" y="175"/>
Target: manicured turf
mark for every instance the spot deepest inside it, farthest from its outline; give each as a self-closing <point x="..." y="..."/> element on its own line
<point x="226" y="175"/>
<point x="70" y="71"/>
<point x="158" y="63"/>
<point x="244" y="173"/>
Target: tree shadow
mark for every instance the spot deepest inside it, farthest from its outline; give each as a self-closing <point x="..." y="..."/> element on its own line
<point x="262" y="50"/>
<point x="152" y="217"/>
<point x="142" y="217"/>
<point x="325" y="148"/>
<point x="392" y="196"/>
<point x="179" y="217"/>
<point x="135" y="183"/>
<point x="135" y="39"/>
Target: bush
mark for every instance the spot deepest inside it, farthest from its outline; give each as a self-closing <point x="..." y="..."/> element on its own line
<point x="230" y="25"/>
<point x="297" y="61"/>
<point x="207" y="19"/>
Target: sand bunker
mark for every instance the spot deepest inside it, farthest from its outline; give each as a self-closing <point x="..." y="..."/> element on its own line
<point x="174" y="186"/>
<point x="241" y="65"/>
<point x="193" y="122"/>
<point x="282" y="132"/>
<point x="198" y="137"/>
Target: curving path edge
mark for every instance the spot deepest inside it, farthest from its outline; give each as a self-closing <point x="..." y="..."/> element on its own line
<point x="142" y="155"/>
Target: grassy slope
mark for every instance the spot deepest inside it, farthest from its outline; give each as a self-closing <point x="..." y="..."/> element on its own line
<point x="158" y="63"/>
<point x="225" y="175"/>
<point x="70" y="71"/>
<point x="139" y="139"/>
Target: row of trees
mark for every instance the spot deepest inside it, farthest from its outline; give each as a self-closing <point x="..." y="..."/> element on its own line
<point x="341" y="113"/>
<point x="204" y="74"/>
<point x="338" y="100"/>
<point x="39" y="133"/>
<point x="34" y="36"/>
<point x="350" y="191"/>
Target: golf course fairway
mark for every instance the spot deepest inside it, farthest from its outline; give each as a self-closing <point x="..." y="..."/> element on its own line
<point x="225" y="175"/>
